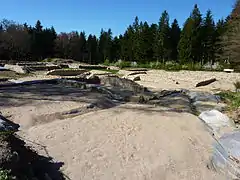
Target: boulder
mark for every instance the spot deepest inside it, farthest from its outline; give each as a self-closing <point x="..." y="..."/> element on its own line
<point x="203" y="96"/>
<point x="215" y="121"/>
<point x="16" y="68"/>
<point x="122" y="83"/>
<point x="7" y="126"/>
<point x="205" y="83"/>
<point x="226" y="155"/>
<point x="66" y="72"/>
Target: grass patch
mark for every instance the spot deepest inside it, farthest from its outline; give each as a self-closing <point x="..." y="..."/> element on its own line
<point x="168" y="66"/>
<point x="231" y="98"/>
<point x="237" y="85"/>
<point x="6" y="175"/>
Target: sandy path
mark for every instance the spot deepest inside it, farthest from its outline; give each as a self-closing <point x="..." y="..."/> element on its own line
<point x="128" y="143"/>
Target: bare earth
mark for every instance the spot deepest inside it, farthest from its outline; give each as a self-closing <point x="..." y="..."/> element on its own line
<point x="124" y="142"/>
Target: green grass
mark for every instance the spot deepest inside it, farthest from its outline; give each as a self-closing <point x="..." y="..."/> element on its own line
<point x="6" y="175"/>
<point x="237" y="85"/>
<point x="169" y="66"/>
<point x="231" y="98"/>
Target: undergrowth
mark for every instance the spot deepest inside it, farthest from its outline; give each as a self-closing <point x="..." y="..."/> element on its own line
<point x="6" y="175"/>
<point x="231" y="98"/>
<point x="168" y="66"/>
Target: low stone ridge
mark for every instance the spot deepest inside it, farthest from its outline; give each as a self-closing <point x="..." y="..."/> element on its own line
<point x="43" y="67"/>
<point x="137" y="69"/>
<point x="99" y="67"/>
<point x="66" y="72"/>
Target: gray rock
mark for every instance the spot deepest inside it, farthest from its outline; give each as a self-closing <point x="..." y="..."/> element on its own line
<point x="202" y="106"/>
<point x="203" y="96"/>
<point x="215" y="120"/>
<point x="7" y="126"/>
<point x="90" y="106"/>
<point x="122" y="83"/>
<point x="16" y="68"/>
<point x="226" y="155"/>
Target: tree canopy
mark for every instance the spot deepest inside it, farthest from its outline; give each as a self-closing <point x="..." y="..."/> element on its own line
<point x="200" y="40"/>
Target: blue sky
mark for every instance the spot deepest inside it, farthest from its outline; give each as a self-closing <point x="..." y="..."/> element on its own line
<point x="92" y="15"/>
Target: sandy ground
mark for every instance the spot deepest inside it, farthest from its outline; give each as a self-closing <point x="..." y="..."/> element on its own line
<point x="128" y="142"/>
<point x="160" y="79"/>
<point x="123" y="142"/>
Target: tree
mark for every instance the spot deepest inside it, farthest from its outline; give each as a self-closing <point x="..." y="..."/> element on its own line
<point x="136" y="39"/>
<point x="82" y="47"/>
<point x="127" y="44"/>
<point x="190" y="45"/>
<point x="208" y="39"/>
<point x="15" y="40"/>
<point x="231" y="38"/>
<point x="185" y="43"/>
<point x="196" y="35"/>
<point x="92" y="49"/>
<point x="115" y="49"/>
<point x="105" y="42"/>
<point x="162" y="40"/>
<point x="175" y="33"/>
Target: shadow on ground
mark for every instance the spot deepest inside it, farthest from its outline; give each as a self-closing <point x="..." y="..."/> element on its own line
<point x="25" y="163"/>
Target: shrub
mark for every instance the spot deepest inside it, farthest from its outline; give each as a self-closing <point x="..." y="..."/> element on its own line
<point x="232" y="98"/>
<point x="6" y="175"/>
<point x="123" y="64"/>
<point x="237" y="85"/>
<point x="106" y="62"/>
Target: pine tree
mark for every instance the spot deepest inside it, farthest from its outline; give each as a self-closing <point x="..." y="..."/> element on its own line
<point x="185" y="43"/>
<point x="190" y="45"/>
<point x="162" y="41"/>
<point x="137" y="38"/>
<point x="208" y="39"/>
<point x="175" y="33"/>
<point x="105" y="42"/>
<point x="145" y="43"/>
<point x="231" y="38"/>
<point x="197" y="48"/>
<point x="82" y="46"/>
<point x="127" y="44"/>
<point x="219" y="32"/>
<point x="115" y="49"/>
